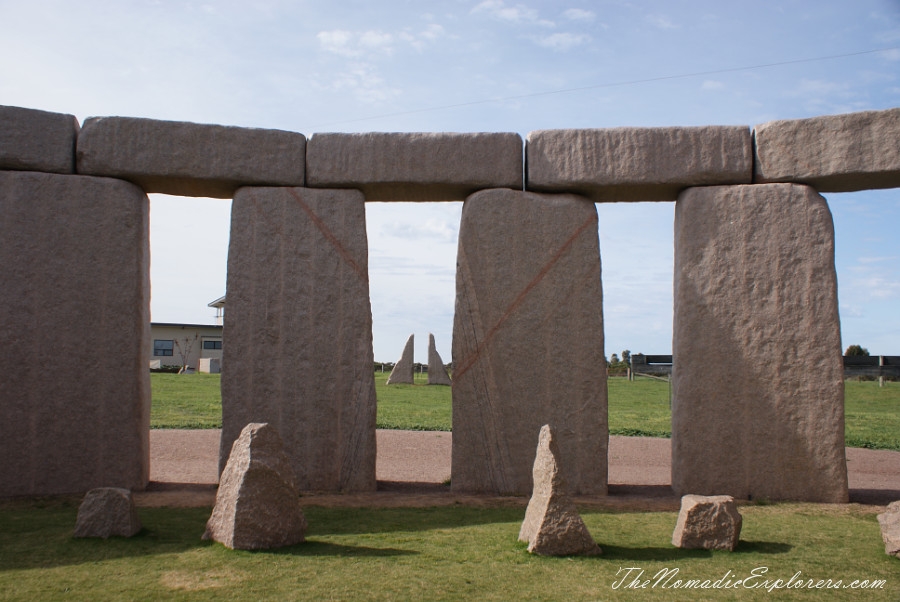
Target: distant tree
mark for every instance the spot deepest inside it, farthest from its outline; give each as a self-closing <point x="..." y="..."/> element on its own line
<point x="856" y="350"/>
<point x="184" y="350"/>
<point x="626" y="356"/>
<point x="614" y="359"/>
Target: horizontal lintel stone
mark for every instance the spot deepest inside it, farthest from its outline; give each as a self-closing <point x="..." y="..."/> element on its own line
<point x="415" y="166"/>
<point x="190" y="159"/>
<point x="637" y="164"/>
<point x="33" y="140"/>
<point x="832" y="153"/>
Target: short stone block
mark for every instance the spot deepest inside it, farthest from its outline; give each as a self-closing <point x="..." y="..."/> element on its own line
<point x="707" y="523"/>
<point x="190" y="159"/>
<point x="528" y="342"/>
<point x="757" y="385"/>
<point x="832" y="153"/>
<point x="75" y="331"/>
<point x="257" y="503"/>
<point x="415" y="166"/>
<point x="889" y="521"/>
<point x="637" y="164"/>
<point x="298" y="332"/>
<point x="32" y="140"/>
<point x="107" y="512"/>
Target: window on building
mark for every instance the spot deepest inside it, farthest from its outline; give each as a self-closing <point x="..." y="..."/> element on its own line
<point x="212" y="344"/>
<point x="163" y="348"/>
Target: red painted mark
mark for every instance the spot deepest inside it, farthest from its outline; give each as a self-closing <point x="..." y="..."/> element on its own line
<point x="329" y="235"/>
<point x="470" y="361"/>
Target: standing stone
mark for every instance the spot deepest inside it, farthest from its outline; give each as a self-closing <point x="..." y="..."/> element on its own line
<point x="106" y="512"/>
<point x="890" y="529"/>
<point x="528" y="342"/>
<point x="74" y="334"/>
<point x="403" y="369"/>
<point x="552" y="525"/>
<point x="707" y="523"/>
<point x="437" y="374"/>
<point x="758" y="397"/>
<point x="298" y="332"/>
<point x="257" y="504"/>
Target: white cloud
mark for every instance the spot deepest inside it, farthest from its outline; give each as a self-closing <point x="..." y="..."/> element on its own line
<point x="578" y="14"/>
<point x="362" y="81"/>
<point x="517" y="14"/>
<point x="433" y="229"/>
<point x="354" y="44"/>
<point x="418" y="40"/>
<point x="563" y="41"/>
<point x="661" y="22"/>
<point x="712" y="85"/>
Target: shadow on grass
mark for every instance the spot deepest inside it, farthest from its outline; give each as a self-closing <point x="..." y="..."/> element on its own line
<point x="333" y="521"/>
<point x="672" y="553"/>
<point x="323" y="548"/>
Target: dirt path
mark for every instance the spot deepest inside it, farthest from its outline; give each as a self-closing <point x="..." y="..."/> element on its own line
<point x="412" y="466"/>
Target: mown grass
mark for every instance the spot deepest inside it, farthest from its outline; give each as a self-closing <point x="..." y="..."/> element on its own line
<point x="638" y="408"/>
<point x="450" y="553"/>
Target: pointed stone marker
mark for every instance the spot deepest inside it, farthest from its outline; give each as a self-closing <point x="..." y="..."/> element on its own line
<point x="552" y="525"/>
<point x="403" y="369"/>
<point x="437" y="374"/>
<point x="257" y="505"/>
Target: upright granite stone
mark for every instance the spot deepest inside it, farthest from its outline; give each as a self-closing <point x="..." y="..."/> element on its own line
<point x="298" y="332"/>
<point x="889" y="521"/>
<point x="107" y="512"/>
<point x="74" y="334"/>
<point x="552" y="525"/>
<point x="403" y="369"/>
<point x="32" y="140"/>
<point x="637" y="164"/>
<point x="528" y="342"/>
<point x="415" y="166"/>
<point x="758" y="397"/>
<point x="437" y="373"/>
<point x="832" y="153"/>
<point x="190" y="159"/>
<point x="707" y="523"/>
<point x="257" y="504"/>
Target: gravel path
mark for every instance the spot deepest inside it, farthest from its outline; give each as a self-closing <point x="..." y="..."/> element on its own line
<point x="412" y="465"/>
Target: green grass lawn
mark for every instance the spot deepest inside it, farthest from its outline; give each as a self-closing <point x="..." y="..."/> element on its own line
<point x="635" y="408"/>
<point x="450" y="553"/>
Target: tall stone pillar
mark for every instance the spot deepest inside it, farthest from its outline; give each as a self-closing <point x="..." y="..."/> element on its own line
<point x="74" y="334"/>
<point x="758" y="402"/>
<point x="297" y="339"/>
<point x="528" y="342"/>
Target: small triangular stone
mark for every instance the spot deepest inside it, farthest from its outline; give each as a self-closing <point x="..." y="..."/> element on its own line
<point x="890" y="529"/>
<point x="437" y="374"/>
<point x="257" y="504"/>
<point x="107" y="512"/>
<point x="708" y="523"/>
<point x="552" y="525"/>
<point x="402" y="374"/>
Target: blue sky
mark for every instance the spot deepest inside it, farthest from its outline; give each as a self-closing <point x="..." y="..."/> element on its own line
<point x="467" y="66"/>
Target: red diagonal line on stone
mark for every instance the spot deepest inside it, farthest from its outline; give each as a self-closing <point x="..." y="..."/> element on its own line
<point x="329" y="235"/>
<point x="470" y="361"/>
